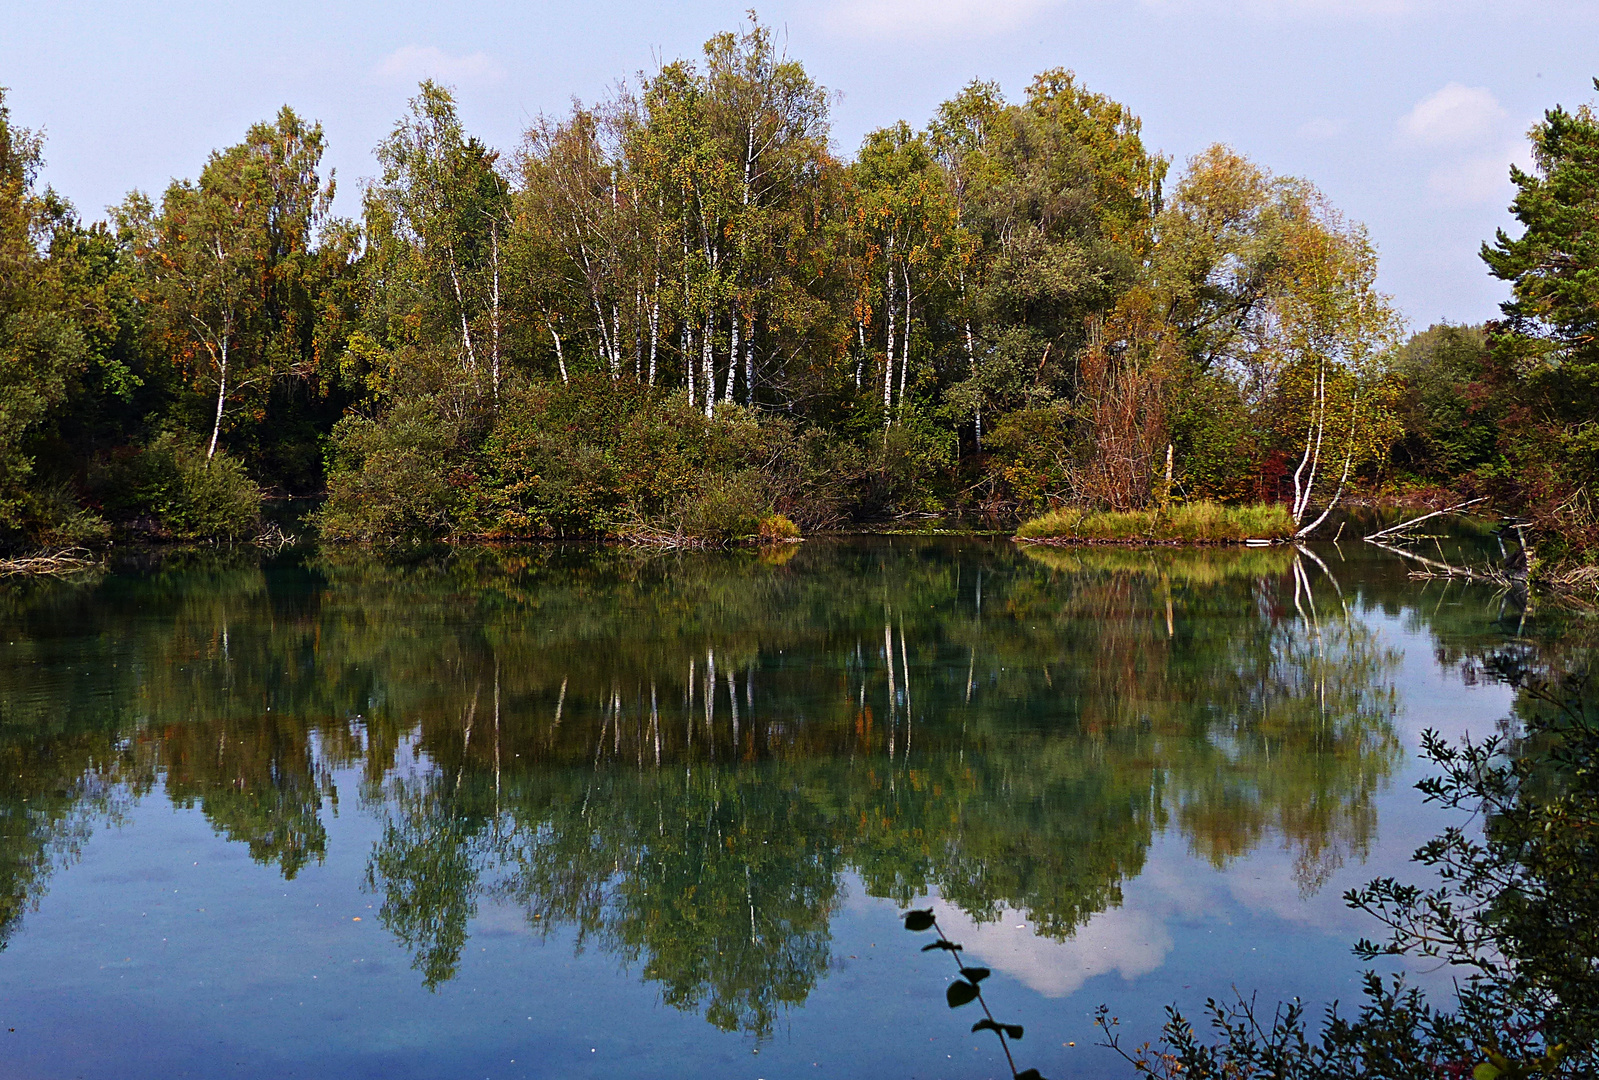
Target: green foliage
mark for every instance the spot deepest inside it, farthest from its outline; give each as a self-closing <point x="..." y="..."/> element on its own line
<point x="1516" y="913"/>
<point x="777" y="527"/>
<point x="1451" y="423"/>
<point x="1545" y="360"/>
<point x="1198" y="523"/>
<point x="182" y="494"/>
<point x="404" y="476"/>
<point x="1032" y="451"/>
<point x="1215" y="443"/>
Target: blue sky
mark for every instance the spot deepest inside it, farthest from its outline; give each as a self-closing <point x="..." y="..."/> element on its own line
<point x="1406" y="112"/>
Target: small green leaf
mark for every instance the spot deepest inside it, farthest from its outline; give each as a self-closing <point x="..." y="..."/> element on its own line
<point x="975" y="974"/>
<point x="959" y="993"/>
<point x="919" y="919"/>
<point x="1485" y="1071"/>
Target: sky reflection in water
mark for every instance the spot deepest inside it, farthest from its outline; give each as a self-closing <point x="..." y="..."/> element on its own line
<point x="567" y="813"/>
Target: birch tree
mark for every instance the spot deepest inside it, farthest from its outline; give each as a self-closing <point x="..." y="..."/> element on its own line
<point x="435" y="226"/>
<point x="900" y="205"/>
<point x="228" y="259"/>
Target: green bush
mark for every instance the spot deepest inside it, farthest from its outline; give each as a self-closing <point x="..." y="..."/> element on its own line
<point x="726" y="507"/>
<point x="775" y="528"/>
<point x="1030" y="454"/>
<point x="51" y="518"/>
<point x="172" y="485"/>
<point x="405" y="476"/>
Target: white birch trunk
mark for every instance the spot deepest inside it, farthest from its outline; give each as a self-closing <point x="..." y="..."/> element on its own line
<point x="560" y="355"/>
<point x="732" y="359"/>
<point x="494" y="242"/>
<point x="905" y="337"/>
<point x="222" y="396"/>
<point x="888" y="360"/>
<point x="708" y="369"/>
<point x="655" y="324"/>
<point x="460" y="308"/>
<point x="749" y="361"/>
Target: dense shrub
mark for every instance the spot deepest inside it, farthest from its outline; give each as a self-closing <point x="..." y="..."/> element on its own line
<point x="593" y="457"/>
<point x="174" y="490"/>
<point x="775" y="528"/>
<point x="406" y="475"/>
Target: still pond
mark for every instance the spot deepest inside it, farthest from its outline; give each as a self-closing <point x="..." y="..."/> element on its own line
<point x="594" y="813"/>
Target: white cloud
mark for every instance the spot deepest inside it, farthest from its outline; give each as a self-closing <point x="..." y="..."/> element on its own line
<point x="1129" y="942"/>
<point x="1480" y="179"/>
<point x="413" y="63"/>
<point x="1454" y="116"/>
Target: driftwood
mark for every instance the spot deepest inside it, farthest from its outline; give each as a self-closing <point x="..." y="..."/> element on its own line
<point x="49" y="564"/>
<point x="1403" y="525"/>
<point x="1438" y="568"/>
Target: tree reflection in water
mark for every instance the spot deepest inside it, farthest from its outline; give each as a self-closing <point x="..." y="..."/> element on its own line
<point x="680" y="758"/>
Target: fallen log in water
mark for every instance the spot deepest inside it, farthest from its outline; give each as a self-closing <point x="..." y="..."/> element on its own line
<point x="50" y="564"/>
<point x="1403" y="525"/>
<point x="1443" y="569"/>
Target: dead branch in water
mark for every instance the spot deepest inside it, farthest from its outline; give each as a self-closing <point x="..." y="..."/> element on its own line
<point x="1437" y="568"/>
<point x="50" y="564"/>
<point x="1403" y="525"/>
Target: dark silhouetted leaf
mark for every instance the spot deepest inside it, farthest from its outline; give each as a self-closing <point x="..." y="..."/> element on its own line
<point x="985" y="1024"/>
<point x="959" y="993"/>
<point x="975" y="974"/>
<point x="1030" y="1074"/>
<point x="919" y="919"/>
<point x="948" y="946"/>
<point x="1013" y="1030"/>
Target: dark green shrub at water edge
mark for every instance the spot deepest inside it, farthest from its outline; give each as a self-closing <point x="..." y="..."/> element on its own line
<point x="171" y="488"/>
<point x="590" y="458"/>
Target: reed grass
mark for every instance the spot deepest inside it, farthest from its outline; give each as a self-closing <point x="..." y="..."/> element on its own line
<point x="1202" y="522"/>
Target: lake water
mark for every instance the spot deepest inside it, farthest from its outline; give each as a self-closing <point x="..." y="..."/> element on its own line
<point x="592" y="813"/>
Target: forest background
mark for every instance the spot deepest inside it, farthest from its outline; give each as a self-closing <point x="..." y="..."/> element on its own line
<point x="677" y="312"/>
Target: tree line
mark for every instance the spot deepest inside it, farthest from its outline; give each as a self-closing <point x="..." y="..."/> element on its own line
<point x="678" y="308"/>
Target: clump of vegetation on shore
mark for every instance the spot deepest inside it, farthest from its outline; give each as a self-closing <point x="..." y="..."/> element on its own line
<point x="1202" y="522"/>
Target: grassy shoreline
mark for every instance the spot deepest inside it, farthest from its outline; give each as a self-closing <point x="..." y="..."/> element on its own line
<point x="1190" y="523"/>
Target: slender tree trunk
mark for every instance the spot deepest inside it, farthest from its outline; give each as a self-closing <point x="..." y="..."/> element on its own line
<point x="494" y="241"/>
<point x="655" y="324"/>
<point x="888" y="360"/>
<point x="560" y="355"/>
<point x="732" y="358"/>
<point x="749" y="361"/>
<point x="222" y="396"/>
<point x="460" y="308"/>
<point x="708" y="367"/>
<point x="905" y="337"/>
<point x="616" y="342"/>
<point x="1349" y="458"/>
<point x="688" y="361"/>
<point x="1302" y="490"/>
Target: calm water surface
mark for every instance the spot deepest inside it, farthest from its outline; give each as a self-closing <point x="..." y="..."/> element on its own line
<point x="590" y="813"/>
